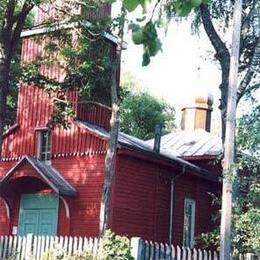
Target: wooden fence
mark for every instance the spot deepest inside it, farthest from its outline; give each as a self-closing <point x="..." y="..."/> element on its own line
<point x="36" y="247"/>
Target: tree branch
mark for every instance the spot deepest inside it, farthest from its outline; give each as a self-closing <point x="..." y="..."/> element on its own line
<point x="218" y="44"/>
<point x="8" y="22"/>
<point x="223" y="56"/>
<point x="27" y="7"/>
<point x="244" y="86"/>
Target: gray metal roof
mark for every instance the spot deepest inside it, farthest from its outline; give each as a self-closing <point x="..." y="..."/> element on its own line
<point x="47" y="172"/>
<point x="191" y="143"/>
<point x="140" y="145"/>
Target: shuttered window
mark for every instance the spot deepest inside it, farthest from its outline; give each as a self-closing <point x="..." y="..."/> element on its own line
<point x="189" y="223"/>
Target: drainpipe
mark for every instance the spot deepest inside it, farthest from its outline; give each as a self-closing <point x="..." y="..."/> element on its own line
<point x="172" y="206"/>
<point x="171" y="211"/>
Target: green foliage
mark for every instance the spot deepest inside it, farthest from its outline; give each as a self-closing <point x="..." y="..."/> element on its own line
<point x="246" y="211"/>
<point x="62" y="114"/>
<point x="246" y="230"/>
<point x="208" y="241"/>
<point x="87" y="64"/>
<point x="141" y="112"/>
<point x="148" y="37"/>
<point x="131" y="5"/>
<point x="147" y="34"/>
<point x="111" y="247"/>
<point x="248" y="137"/>
<point x="114" y="247"/>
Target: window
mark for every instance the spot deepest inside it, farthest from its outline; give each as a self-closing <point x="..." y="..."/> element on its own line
<point x="44" y="145"/>
<point x="189" y="223"/>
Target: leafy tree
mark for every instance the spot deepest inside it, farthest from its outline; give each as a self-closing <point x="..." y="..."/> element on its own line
<point x="215" y="16"/>
<point x="141" y="112"/>
<point x="246" y="212"/>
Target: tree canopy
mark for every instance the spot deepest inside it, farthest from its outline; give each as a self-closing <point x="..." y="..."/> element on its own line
<point x="141" y="112"/>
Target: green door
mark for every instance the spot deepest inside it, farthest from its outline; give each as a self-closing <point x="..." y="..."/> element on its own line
<point x="38" y="214"/>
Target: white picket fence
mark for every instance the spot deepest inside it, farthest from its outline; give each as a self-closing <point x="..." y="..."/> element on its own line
<point x="156" y="251"/>
<point x="35" y="248"/>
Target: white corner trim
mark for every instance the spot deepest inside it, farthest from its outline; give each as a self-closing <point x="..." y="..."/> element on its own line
<point x="6" y="207"/>
<point x="66" y="205"/>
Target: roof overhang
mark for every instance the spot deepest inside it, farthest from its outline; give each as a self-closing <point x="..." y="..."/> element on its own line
<point x="46" y="172"/>
<point x="62" y="25"/>
<point x="10" y="130"/>
<point x="138" y="148"/>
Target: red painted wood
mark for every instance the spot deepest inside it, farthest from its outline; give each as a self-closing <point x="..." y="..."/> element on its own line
<point x="141" y="203"/>
<point x="47" y="11"/>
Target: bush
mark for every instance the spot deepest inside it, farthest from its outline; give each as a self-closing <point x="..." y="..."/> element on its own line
<point x="114" y="247"/>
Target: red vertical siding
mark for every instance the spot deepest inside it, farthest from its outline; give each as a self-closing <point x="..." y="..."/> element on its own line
<point x="47" y="11"/>
<point x="34" y="111"/>
<point x="4" y="221"/>
<point x="141" y="201"/>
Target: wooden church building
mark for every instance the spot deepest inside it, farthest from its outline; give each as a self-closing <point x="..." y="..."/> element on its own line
<point x="51" y="181"/>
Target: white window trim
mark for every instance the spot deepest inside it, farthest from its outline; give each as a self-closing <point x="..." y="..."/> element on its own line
<point x="193" y="203"/>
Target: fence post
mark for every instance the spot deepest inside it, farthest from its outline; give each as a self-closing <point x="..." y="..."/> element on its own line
<point x="28" y="248"/>
<point x="137" y="248"/>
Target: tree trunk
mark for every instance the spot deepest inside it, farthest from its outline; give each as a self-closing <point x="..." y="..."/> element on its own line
<point x="223" y="56"/>
<point x="110" y="160"/>
<point x="229" y="151"/>
<point x="5" y="64"/>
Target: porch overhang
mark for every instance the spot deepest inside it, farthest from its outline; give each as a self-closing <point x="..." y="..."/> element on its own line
<point x="47" y="173"/>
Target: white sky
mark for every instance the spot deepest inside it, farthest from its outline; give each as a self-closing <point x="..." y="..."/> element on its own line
<point x="173" y="74"/>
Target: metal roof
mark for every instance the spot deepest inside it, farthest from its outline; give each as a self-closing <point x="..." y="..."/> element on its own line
<point x="134" y="143"/>
<point x="191" y="143"/>
<point x="48" y="173"/>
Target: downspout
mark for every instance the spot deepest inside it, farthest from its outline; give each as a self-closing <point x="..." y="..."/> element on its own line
<point x="172" y="203"/>
<point x="171" y="210"/>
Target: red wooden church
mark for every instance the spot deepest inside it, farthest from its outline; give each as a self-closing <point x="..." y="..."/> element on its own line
<point x="51" y="181"/>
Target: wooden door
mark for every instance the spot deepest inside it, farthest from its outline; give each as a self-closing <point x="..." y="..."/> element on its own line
<point x="38" y="214"/>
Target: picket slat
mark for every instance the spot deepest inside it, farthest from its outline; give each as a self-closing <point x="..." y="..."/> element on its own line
<point x="39" y="244"/>
<point x="200" y="254"/>
<point x="23" y="247"/>
<point x="152" y="250"/>
<point x="5" y="247"/>
<point x="95" y="247"/>
<point x="189" y="253"/>
<point x="65" y="246"/>
<point x="173" y="252"/>
<point x="195" y="254"/>
<point x="19" y="248"/>
<point x="178" y="253"/>
<point x="85" y="244"/>
<point x="70" y="246"/>
<point x="157" y="251"/>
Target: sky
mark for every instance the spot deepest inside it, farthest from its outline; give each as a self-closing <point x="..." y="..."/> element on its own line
<point x="184" y="69"/>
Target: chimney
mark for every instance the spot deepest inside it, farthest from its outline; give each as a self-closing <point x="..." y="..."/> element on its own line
<point x="157" y="138"/>
<point x="198" y="115"/>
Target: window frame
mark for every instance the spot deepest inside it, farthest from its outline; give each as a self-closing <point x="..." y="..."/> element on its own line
<point x="45" y="155"/>
<point x="187" y="202"/>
